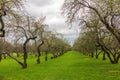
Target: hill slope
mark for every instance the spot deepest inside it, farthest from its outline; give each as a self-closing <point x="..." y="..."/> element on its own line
<point x="70" y="66"/>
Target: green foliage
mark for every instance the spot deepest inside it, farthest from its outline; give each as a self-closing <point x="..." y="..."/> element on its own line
<point x="85" y="43"/>
<point x="70" y="66"/>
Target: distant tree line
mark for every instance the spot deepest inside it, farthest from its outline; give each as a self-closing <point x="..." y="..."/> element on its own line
<point x="100" y="31"/>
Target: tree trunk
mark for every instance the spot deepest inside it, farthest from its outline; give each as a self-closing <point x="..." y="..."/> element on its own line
<point x="39" y="53"/>
<point x="104" y="48"/>
<point x="25" y="51"/>
<point x="4" y="55"/>
<point x="96" y="53"/>
<point x="15" y="59"/>
<point x="96" y="56"/>
<point x="18" y="55"/>
<point x="38" y="57"/>
<point x="46" y="56"/>
<point x="92" y="54"/>
<point x="104" y="58"/>
<point x="25" y="54"/>
<point x="24" y="64"/>
<point x="118" y="57"/>
<point x="2" y="25"/>
<point x="108" y="55"/>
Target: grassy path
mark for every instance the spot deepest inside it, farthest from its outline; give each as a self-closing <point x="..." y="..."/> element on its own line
<point x="71" y="66"/>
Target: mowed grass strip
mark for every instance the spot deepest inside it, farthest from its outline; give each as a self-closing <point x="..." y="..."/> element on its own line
<point x="70" y="66"/>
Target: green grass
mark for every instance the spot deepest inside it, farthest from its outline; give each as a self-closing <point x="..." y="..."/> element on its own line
<point x="70" y="66"/>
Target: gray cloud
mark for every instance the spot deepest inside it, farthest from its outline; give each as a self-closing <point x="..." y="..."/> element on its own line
<point x="51" y="9"/>
<point x="40" y="3"/>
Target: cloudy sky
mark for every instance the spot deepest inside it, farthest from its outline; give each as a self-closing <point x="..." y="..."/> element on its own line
<point x="52" y="10"/>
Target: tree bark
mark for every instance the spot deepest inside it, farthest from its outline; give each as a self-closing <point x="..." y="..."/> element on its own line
<point x="104" y="57"/>
<point x="97" y="55"/>
<point x="15" y="59"/>
<point x="108" y="54"/>
<point x="118" y="57"/>
<point x="92" y="54"/>
<point x="24" y="64"/>
<point x="39" y="52"/>
<point x="106" y="50"/>
<point x="46" y="56"/>
<point x="25" y="51"/>
<point x="25" y="54"/>
<point x="18" y="55"/>
<point x="2" y="25"/>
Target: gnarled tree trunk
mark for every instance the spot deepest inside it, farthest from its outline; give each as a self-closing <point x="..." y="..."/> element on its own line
<point x="15" y="59"/>
<point x="38" y="50"/>
<point x="25" y="51"/>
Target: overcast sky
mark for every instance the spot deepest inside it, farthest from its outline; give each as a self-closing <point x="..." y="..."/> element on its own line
<point x="52" y="10"/>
